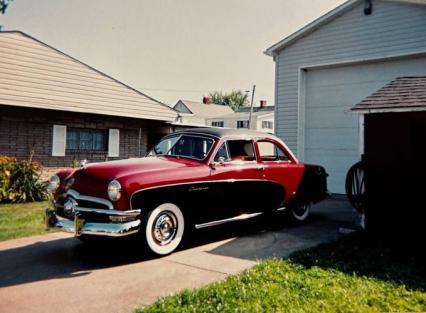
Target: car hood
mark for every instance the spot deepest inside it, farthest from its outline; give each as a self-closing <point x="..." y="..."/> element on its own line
<point x="133" y="174"/>
<point x="108" y="171"/>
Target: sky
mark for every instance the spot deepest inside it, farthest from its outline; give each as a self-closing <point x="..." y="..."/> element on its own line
<point x="170" y="49"/>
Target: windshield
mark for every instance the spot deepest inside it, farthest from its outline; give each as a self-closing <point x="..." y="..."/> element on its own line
<point x="187" y="146"/>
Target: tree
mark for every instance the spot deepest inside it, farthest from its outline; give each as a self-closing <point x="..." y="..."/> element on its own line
<point x="234" y="99"/>
<point x="3" y="5"/>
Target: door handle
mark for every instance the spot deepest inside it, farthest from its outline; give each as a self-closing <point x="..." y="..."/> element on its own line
<point x="261" y="168"/>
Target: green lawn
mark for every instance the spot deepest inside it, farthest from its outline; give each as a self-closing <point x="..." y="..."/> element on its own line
<point x="355" y="274"/>
<point x="21" y="220"/>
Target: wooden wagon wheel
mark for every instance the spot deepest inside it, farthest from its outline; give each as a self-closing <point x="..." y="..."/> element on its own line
<point x="355" y="186"/>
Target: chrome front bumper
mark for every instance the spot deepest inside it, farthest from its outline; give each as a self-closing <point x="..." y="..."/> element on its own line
<point x="79" y="226"/>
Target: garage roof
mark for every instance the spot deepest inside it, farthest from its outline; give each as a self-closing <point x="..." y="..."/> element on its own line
<point x="326" y="18"/>
<point x="400" y="95"/>
<point x="34" y="74"/>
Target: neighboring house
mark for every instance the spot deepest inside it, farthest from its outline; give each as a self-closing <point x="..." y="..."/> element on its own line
<point x="60" y="110"/>
<point x="333" y="63"/>
<point x="262" y="119"/>
<point x="195" y="114"/>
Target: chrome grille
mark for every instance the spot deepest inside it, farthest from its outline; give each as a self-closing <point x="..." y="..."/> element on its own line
<point x="66" y="204"/>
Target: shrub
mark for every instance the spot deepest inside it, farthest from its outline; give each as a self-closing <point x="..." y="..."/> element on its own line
<point x="20" y="181"/>
<point x="7" y="164"/>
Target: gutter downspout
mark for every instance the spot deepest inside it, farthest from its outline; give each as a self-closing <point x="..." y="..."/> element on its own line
<point x="139" y="141"/>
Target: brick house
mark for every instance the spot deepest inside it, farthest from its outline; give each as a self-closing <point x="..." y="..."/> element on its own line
<point x="60" y="110"/>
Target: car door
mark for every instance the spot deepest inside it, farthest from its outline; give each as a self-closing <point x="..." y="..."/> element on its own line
<point x="279" y="167"/>
<point x="238" y="179"/>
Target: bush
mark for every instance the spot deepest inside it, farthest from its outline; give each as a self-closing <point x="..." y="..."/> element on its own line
<point x="7" y="164"/>
<point x="20" y="181"/>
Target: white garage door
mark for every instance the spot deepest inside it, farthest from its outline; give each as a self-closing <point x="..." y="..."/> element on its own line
<point x="331" y="130"/>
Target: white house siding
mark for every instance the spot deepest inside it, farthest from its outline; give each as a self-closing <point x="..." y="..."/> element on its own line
<point x="228" y="122"/>
<point x="393" y="29"/>
<point x="231" y="121"/>
<point x="269" y="118"/>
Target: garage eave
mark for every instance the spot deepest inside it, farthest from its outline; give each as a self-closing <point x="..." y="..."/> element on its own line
<point x="388" y="110"/>
<point x="276" y="48"/>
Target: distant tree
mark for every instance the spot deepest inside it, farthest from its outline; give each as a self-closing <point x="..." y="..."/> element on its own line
<point x="234" y="99"/>
<point x="3" y="5"/>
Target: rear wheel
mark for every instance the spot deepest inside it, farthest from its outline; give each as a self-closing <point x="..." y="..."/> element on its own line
<point x="164" y="228"/>
<point x="300" y="212"/>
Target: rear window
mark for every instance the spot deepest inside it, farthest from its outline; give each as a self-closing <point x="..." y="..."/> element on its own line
<point x="269" y="151"/>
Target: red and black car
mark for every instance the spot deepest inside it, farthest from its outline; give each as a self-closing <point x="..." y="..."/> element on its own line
<point x="191" y="179"/>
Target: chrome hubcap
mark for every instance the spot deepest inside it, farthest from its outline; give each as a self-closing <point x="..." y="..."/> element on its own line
<point x="164" y="228"/>
<point x="301" y="209"/>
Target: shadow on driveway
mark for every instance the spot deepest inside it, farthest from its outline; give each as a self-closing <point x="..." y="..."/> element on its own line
<point x="256" y="239"/>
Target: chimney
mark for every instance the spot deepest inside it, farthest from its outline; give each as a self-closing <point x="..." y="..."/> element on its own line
<point x="206" y="100"/>
<point x="262" y="103"/>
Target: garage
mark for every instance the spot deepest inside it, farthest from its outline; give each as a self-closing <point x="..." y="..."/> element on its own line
<point x="334" y="62"/>
<point x="395" y="154"/>
<point x="331" y="129"/>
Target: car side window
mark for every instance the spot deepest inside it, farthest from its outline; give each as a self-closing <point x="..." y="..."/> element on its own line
<point x="241" y="150"/>
<point x="222" y="153"/>
<point x="269" y="152"/>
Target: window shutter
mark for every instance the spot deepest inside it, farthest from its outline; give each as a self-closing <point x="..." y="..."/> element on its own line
<point x="59" y="140"/>
<point x="114" y="143"/>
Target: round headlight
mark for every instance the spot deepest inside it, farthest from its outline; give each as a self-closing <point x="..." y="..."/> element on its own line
<point x="54" y="183"/>
<point x="114" y="190"/>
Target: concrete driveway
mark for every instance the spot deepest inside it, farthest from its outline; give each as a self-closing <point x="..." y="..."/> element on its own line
<point x="56" y="273"/>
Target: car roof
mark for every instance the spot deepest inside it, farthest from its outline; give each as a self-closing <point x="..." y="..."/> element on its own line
<point x="220" y="132"/>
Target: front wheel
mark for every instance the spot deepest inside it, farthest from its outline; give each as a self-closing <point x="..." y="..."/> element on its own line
<point x="301" y="212"/>
<point x="164" y="228"/>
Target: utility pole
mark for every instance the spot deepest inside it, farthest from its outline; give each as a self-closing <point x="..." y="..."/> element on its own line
<point x="251" y="106"/>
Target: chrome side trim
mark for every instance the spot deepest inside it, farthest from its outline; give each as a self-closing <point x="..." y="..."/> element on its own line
<point x="281" y="208"/>
<point x="227" y="220"/>
<point x="108" y="212"/>
<point x="76" y="195"/>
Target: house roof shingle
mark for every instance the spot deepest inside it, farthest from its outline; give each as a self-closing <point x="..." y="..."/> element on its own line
<point x="403" y="93"/>
<point x="34" y="74"/>
<point x="265" y="109"/>
<point x="202" y="110"/>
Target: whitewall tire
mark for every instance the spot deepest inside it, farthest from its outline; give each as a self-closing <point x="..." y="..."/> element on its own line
<point x="164" y="228"/>
<point x="301" y="212"/>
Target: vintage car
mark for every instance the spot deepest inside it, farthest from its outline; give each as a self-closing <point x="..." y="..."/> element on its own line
<point x="191" y="179"/>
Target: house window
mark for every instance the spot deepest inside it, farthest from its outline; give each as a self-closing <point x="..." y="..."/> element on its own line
<point x="268" y="124"/>
<point x="217" y="124"/>
<point x="86" y="139"/>
<point x="243" y="124"/>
